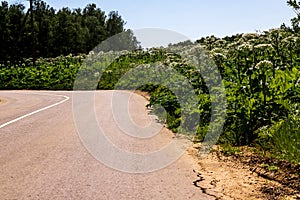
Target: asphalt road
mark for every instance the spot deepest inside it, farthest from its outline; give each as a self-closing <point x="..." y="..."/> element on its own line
<point x="42" y="156"/>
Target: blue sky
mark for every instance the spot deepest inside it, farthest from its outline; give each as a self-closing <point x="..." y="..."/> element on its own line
<point x="194" y="18"/>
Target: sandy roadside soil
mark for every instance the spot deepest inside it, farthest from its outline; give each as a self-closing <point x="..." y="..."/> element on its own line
<point x="235" y="180"/>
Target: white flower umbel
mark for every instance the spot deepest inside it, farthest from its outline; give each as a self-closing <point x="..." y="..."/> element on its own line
<point x="263" y="63"/>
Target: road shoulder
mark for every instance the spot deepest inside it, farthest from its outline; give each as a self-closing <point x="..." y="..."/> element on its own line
<point x="228" y="178"/>
<point x="233" y="179"/>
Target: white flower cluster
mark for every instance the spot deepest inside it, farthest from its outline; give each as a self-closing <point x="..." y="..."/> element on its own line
<point x="274" y="31"/>
<point x="220" y="42"/>
<point x="69" y="55"/>
<point x="174" y="64"/>
<point x="252" y="41"/>
<point x="91" y="53"/>
<point x="291" y="39"/>
<point x="250" y="35"/>
<point x="245" y="47"/>
<point x="263" y="64"/>
<point x="197" y="49"/>
<point x="233" y="45"/>
<point x="217" y="50"/>
<point x="219" y="56"/>
<point x="97" y="74"/>
<point x="263" y="46"/>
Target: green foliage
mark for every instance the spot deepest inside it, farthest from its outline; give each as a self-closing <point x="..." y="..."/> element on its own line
<point x="55" y="74"/>
<point x="270" y="167"/>
<point x="258" y="72"/>
<point x="282" y="138"/>
<point x="261" y="76"/>
<point x="295" y="4"/>
<point x="229" y="150"/>
<point x="164" y="97"/>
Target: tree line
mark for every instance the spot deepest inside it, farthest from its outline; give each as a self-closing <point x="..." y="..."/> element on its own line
<point x="54" y="32"/>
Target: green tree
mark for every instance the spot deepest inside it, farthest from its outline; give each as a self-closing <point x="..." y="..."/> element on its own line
<point x="123" y="41"/>
<point x="114" y="24"/>
<point x="44" y="15"/>
<point x="55" y="32"/>
<point x="295" y="4"/>
<point x="94" y="20"/>
<point x="10" y="26"/>
<point x="4" y="30"/>
<point x="65" y="31"/>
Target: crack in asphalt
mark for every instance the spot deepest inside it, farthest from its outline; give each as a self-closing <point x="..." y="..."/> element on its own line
<point x="203" y="189"/>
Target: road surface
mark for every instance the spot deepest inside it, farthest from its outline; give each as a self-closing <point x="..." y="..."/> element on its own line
<point x="42" y="156"/>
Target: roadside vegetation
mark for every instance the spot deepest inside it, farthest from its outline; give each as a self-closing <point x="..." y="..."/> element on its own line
<point x="260" y="71"/>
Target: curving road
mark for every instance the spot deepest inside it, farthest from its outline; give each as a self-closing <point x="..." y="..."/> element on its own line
<point x="42" y="156"/>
